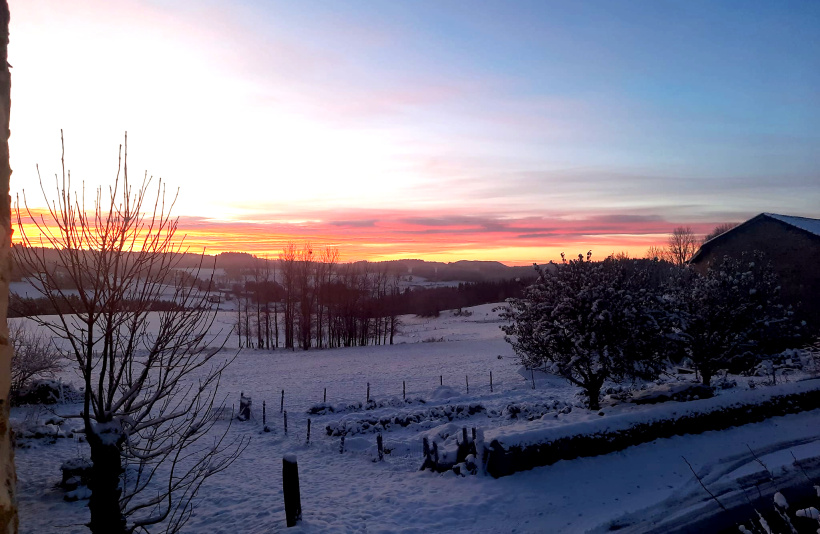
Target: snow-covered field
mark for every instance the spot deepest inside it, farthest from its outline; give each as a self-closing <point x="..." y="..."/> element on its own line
<point x="640" y="489"/>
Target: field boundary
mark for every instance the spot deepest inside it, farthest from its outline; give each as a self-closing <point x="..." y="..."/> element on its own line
<point x="513" y="452"/>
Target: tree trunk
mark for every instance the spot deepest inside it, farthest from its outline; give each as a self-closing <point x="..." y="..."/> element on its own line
<point x="8" y="478"/>
<point x="104" y="504"/>
<point x="706" y="376"/>
<point x="593" y="391"/>
<point x="594" y="404"/>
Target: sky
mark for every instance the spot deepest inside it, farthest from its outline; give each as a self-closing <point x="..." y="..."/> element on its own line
<point x="442" y="130"/>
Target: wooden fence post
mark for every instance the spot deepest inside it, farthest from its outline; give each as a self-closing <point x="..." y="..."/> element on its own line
<point x="467" y="379"/>
<point x="290" y="488"/>
<point x="308" y="433"/>
<point x="380" y="446"/>
<point x="282" y="402"/>
<point x="368" y="392"/>
<point x="324" y="398"/>
<point x="404" y="390"/>
<point x="491" y="381"/>
<point x="285" y="421"/>
<point x="264" y="414"/>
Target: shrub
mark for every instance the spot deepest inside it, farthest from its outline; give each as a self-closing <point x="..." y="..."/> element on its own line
<point x="35" y="356"/>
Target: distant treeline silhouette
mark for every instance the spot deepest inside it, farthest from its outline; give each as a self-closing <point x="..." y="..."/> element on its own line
<point x="30" y="306"/>
<point x="305" y="302"/>
<point x="310" y="300"/>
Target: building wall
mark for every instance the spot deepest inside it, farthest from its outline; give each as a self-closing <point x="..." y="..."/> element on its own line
<point x="795" y="256"/>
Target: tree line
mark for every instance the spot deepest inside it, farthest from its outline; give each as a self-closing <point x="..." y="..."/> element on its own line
<point x="309" y="300"/>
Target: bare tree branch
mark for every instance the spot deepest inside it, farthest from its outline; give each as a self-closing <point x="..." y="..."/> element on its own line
<point x="151" y="377"/>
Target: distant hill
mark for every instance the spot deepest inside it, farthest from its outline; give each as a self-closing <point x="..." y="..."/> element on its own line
<point x="462" y="270"/>
<point x="435" y="271"/>
<point x="232" y="263"/>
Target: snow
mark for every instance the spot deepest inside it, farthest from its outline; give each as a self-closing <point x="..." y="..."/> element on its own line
<point x="643" y="487"/>
<point x="811" y="513"/>
<point x="804" y="223"/>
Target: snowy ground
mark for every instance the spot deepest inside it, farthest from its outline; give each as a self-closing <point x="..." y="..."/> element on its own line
<point x="637" y="489"/>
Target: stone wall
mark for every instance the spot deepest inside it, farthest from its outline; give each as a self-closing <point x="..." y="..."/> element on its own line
<point x="504" y="460"/>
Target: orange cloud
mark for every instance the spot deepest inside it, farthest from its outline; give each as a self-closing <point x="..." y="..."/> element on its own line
<point x="382" y="235"/>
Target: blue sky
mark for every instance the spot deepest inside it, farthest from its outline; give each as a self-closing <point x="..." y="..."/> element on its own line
<point x="322" y="113"/>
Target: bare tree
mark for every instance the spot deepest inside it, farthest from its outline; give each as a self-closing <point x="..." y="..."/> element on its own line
<point x="718" y="230"/>
<point x="150" y="378"/>
<point x="657" y="253"/>
<point x="275" y="310"/>
<point x="330" y="257"/>
<point x="682" y="245"/>
<point x="34" y="356"/>
<point x="394" y="321"/>
<point x="305" y="278"/>
<point x="287" y="260"/>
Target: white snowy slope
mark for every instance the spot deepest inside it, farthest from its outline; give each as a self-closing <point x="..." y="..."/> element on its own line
<point x="640" y="489"/>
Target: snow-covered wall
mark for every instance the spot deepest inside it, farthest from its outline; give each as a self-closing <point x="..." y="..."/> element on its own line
<point x="539" y="443"/>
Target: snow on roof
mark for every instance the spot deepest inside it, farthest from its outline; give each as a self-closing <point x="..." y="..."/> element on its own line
<point x="804" y="223"/>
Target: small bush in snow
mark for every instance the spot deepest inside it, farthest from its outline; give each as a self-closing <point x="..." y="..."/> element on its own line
<point x="45" y="391"/>
<point x="35" y="356"/>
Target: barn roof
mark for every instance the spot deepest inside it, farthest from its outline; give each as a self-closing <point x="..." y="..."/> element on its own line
<point x="804" y="223"/>
<point x="811" y="226"/>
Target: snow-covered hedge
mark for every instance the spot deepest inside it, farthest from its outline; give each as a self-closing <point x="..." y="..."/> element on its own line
<point x="325" y="408"/>
<point x="372" y="424"/>
<point x="46" y="391"/>
<point x="538" y="443"/>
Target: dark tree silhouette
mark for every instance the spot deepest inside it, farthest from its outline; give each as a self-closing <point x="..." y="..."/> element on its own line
<point x="682" y="245"/>
<point x="718" y="230"/>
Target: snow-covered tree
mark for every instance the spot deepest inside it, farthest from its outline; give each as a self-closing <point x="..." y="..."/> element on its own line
<point x="733" y="313"/>
<point x="590" y="322"/>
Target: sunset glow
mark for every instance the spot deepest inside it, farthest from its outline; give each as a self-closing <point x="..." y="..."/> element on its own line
<point x="425" y="130"/>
